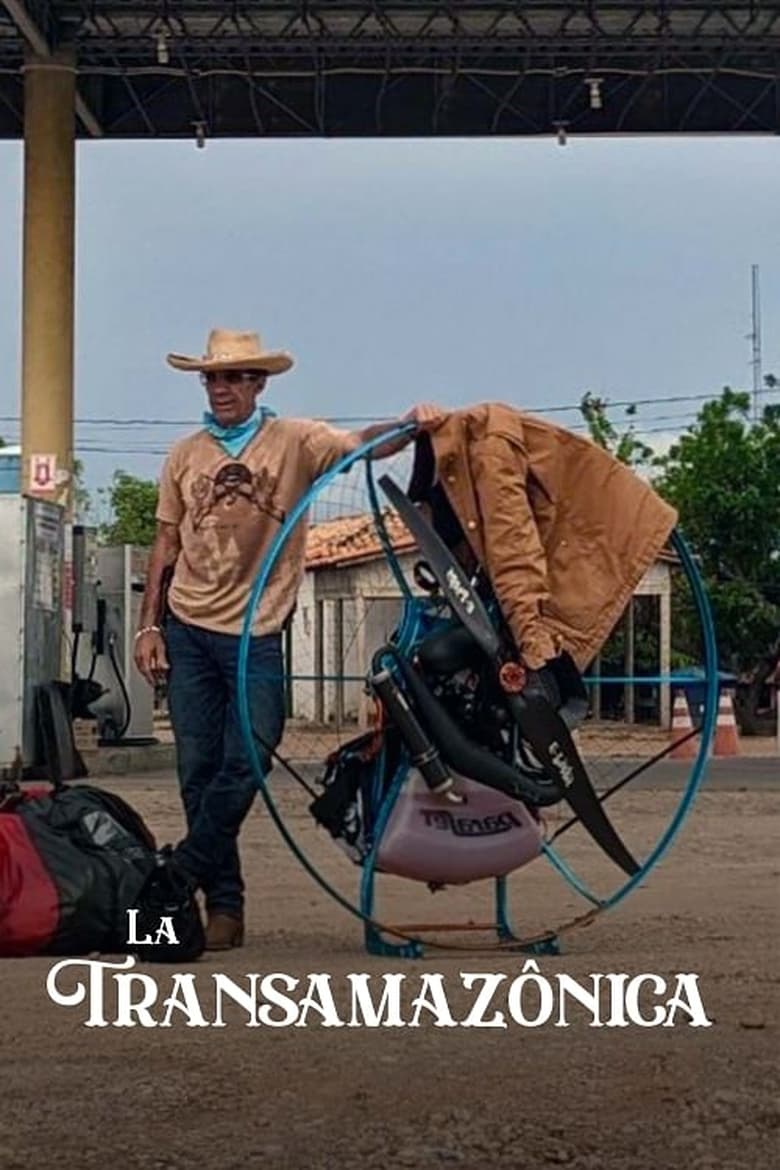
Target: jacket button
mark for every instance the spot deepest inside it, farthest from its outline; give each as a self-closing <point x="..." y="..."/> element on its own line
<point x="472" y="524"/>
<point x="450" y="479"/>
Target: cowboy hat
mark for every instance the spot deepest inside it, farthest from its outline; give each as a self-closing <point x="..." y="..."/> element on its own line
<point x="227" y="349"/>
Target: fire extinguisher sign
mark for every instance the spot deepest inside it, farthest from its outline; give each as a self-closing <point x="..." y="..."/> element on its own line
<point x="43" y="473"/>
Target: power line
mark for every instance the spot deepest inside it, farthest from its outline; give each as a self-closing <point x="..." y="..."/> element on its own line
<point x="157" y="451"/>
<point x="150" y="446"/>
<point x="103" y="444"/>
<point x="345" y="418"/>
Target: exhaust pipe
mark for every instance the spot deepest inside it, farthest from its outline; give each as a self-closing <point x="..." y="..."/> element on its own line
<point x="424" y="754"/>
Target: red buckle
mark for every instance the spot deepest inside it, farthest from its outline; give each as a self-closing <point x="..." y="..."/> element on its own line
<point x="512" y="677"/>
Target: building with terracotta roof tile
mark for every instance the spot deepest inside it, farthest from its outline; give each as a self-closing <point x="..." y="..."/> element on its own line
<point x="349" y="604"/>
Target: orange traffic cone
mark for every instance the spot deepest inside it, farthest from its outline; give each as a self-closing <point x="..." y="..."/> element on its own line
<point x="682" y="726"/>
<point x="726" y="737"/>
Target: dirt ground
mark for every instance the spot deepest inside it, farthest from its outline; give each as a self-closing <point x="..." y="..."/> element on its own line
<point x="628" y="1098"/>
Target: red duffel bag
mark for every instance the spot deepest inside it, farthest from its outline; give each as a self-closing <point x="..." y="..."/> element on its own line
<point x="74" y="860"/>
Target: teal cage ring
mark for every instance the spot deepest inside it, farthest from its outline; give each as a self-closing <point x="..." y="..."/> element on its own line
<point x="629" y="737"/>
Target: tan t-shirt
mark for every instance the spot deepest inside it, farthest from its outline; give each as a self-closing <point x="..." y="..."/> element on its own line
<point x="228" y="511"/>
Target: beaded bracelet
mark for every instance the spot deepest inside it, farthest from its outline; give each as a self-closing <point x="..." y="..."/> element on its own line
<point x="147" y="630"/>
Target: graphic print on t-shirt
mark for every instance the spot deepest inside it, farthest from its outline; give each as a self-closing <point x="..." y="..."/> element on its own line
<point x="233" y="483"/>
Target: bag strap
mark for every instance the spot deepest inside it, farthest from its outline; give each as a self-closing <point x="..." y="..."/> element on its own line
<point x="10" y="795"/>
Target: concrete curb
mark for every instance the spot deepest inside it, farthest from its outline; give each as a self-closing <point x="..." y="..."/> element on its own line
<point x="129" y="759"/>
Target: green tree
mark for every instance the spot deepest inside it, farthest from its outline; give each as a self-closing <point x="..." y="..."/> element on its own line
<point x="723" y="476"/>
<point x="626" y="446"/>
<point x="131" y="504"/>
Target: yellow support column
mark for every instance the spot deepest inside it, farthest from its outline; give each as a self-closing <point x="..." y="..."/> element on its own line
<point x="48" y="277"/>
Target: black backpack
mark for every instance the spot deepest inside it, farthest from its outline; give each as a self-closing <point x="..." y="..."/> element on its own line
<point x="74" y="861"/>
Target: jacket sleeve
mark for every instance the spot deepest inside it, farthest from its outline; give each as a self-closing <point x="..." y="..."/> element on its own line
<point x="514" y="555"/>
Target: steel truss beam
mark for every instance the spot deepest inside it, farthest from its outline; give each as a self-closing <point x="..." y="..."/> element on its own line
<point x="36" y="23"/>
<point x="478" y="67"/>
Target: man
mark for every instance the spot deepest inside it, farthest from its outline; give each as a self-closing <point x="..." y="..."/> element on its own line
<point x="224" y="493"/>
<point x="561" y="529"/>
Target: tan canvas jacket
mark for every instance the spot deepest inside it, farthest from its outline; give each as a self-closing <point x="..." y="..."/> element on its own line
<point x="563" y="530"/>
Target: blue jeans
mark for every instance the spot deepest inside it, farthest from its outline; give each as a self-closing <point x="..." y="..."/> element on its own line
<point x="216" y="779"/>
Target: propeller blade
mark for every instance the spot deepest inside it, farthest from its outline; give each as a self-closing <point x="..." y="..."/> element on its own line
<point x="457" y="588"/>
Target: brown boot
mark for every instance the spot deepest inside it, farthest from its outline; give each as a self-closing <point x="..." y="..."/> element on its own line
<point x="224" y="931"/>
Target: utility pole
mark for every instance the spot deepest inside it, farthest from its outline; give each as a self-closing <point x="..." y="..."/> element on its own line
<point x="755" y="337"/>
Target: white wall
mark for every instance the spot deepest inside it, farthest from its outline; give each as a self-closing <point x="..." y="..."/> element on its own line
<point x="303" y="651"/>
<point x="371" y="609"/>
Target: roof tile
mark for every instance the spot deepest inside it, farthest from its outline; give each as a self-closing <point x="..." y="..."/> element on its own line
<point x="351" y="539"/>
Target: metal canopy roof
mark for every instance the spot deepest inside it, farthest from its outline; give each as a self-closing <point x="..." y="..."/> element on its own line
<point x="353" y="67"/>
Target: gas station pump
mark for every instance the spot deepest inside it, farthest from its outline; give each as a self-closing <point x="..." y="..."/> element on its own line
<point x="108" y="585"/>
<point x="32" y="540"/>
<point x="66" y="637"/>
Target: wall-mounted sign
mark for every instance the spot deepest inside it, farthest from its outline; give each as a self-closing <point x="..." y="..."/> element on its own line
<point x="43" y="473"/>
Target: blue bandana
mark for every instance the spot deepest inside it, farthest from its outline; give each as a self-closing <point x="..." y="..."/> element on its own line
<point x="235" y="439"/>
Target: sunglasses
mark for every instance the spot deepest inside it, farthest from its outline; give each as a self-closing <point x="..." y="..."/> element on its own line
<point x="231" y="377"/>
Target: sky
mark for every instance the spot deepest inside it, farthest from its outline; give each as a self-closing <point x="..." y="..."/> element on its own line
<point x="400" y="271"/>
